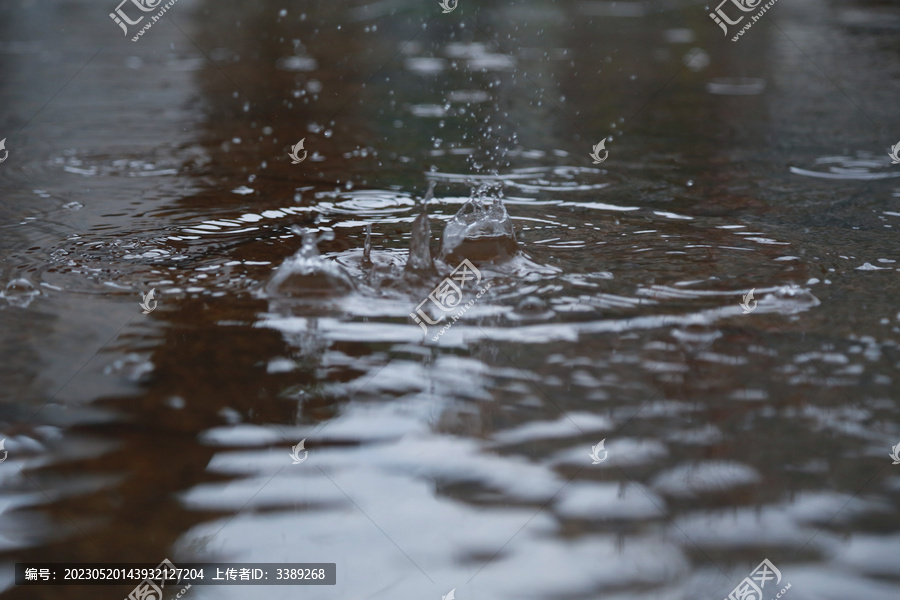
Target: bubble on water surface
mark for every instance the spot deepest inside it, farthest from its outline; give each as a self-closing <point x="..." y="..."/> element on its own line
<point x="20" y="293"/>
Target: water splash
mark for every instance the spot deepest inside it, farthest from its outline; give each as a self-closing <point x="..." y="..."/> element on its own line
<point x="479" y="233"/>
<point x="367" y="248"/>
<point x="307" y="273"/>
<point x="419" y="261"/>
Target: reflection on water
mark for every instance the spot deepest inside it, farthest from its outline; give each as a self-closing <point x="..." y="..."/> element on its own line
<point x="613" y="313"/>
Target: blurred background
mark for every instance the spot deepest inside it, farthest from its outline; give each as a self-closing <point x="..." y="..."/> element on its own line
<point x="462" y="464"/>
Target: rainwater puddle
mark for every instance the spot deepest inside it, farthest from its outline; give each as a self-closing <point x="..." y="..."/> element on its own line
<point x="450" y="303"/>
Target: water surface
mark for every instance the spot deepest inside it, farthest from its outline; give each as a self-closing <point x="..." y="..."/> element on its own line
<point x="463" y="462"/>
